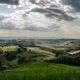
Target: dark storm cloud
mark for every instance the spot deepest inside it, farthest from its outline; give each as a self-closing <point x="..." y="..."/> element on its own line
<point x="75" y="4"/>
<point x="51" y="13"/>
<point x="11" y="2"/>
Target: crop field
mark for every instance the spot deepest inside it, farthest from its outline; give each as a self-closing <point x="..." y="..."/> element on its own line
<point x="9" y="48"/>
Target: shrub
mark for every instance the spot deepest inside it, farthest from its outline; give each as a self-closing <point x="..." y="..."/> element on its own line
<point x="5" y="67"/>
<point x="22" y="60"/>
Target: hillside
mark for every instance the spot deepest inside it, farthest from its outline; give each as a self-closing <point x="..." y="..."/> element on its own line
<point x="39" y="60"/>
<point x="41" y="71"/>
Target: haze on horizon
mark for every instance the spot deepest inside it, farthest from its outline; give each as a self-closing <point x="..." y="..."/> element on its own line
<point x="40" y="18"/>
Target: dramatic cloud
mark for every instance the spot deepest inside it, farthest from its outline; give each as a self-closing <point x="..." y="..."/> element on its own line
<point x="41" y="2"/>
<point x="56" y="17"/>
<point x="57" y="13"/>
<point x="75" y="4"/>
<point x="12" y="2"/>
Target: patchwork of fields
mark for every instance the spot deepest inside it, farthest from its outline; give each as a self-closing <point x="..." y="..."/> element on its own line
<point x="39" y="60"/>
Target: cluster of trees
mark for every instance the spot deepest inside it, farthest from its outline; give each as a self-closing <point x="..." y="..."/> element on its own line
<point x="74" y="48"/>
<point x="66" y="59"/>
<point x="10" y="55"/>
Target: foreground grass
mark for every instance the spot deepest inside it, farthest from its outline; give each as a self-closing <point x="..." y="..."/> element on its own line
<point x="42" y="71"/>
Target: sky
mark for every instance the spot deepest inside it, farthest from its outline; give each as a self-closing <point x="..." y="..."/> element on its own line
<point x="40" y="18"/>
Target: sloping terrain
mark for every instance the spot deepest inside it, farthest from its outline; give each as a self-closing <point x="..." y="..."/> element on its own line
<point x="41" y="71"/>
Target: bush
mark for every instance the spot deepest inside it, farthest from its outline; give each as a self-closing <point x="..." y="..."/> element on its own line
<point x="59" y="52"/>
<point x="10" y="55"/>
<point x="5" y="67"/>
<point x="22" y="60"/>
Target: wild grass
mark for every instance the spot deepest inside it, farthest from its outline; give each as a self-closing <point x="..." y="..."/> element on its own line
<point x="42" y="71"/>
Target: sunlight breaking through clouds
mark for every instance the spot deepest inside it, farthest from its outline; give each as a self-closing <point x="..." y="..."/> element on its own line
<point x="39" y="15"/>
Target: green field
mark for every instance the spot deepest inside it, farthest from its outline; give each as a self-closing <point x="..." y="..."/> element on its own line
<point x="44" y="61"/>
<point x="41" y="71"/>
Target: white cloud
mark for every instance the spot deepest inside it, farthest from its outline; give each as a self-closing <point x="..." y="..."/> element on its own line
<point x="22" y="17"/>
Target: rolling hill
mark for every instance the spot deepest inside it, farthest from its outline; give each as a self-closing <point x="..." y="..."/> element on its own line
<point x="41" y="71"/>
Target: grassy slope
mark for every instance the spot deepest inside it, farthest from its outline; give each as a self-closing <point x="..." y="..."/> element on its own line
<point x="75" y="52"/>
<point x="43" y="54"/>
<point x="42" y="71"/>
